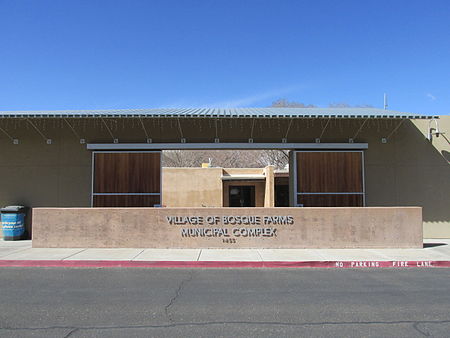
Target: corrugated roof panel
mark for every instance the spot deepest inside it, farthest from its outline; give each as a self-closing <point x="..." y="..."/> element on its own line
<point x="225" y="112"/>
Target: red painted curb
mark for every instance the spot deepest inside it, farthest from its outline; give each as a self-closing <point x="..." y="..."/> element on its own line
<point x="223" y="264"/>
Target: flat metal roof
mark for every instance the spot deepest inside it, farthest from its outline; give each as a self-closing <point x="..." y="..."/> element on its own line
<point x="108" y="147"/>
<point x="243" y="177"/>
<point x="375" y="113"/>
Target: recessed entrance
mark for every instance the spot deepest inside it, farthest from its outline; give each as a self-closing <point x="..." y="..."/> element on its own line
<point x="281" y="195"/>
<point x="313" y="178"/>
<point x="242" y="196"/>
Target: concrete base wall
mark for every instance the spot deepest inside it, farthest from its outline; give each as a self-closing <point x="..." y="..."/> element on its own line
<point x="396" y="227"/>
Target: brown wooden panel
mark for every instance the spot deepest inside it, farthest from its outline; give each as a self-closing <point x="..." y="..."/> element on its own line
<point x="125" y="201"/>
<point x="330" y="200"/>
<point x="329" y="172"/>
<point x="127" y="172"/>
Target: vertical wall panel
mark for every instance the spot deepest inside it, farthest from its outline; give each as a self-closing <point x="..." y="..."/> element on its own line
<point x="129" y="175"/>
<point x="127" y="172"/>
<point x="319" y="174"/>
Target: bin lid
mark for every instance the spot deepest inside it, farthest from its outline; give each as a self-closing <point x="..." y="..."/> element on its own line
<point x="13" y="208"/>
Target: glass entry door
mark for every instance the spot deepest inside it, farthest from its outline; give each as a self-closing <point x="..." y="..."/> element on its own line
<point x="242" y="196"/>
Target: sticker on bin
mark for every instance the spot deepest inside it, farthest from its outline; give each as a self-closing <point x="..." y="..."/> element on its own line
<point x="13" y="224"/>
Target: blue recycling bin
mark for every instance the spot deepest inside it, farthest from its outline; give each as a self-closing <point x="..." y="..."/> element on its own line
<point x="13" y="222"/>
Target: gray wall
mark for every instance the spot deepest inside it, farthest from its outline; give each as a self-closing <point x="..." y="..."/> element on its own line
<point x="406" y="171"/>
<point x="36" y="174"/>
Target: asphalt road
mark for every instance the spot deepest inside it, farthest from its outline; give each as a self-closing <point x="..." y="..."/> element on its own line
<point x="59" y="302"/>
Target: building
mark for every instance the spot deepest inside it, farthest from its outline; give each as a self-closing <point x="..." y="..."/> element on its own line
<point x="340" y="157"/>
<point x="225" y="187"/>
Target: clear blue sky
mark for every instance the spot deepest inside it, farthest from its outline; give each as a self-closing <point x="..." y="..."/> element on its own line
<point x="90" y="54"/>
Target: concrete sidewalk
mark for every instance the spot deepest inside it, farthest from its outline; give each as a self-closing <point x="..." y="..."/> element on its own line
<point x="433" y="250"/>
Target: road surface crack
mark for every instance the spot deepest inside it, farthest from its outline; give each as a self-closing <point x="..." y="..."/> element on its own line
<point x="71" y="332"/>
<point x="423" y="332"/>
<point x="174" y="298"/>
<point x="214" y="323"/>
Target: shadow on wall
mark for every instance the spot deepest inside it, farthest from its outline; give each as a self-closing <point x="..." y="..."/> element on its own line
<point x="422" y="174"/>
<point x="446" y="155"/>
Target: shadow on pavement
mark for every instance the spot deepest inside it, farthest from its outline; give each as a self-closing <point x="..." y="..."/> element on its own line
<point x="432" y="245"/>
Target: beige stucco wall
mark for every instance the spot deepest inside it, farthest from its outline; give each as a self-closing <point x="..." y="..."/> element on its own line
<point x="192" y="187"/>
<point x="269" y="193"/>
<point x="150" y="228"/>
<point x="203" y="187"/>
<point x="243" y="171"/>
